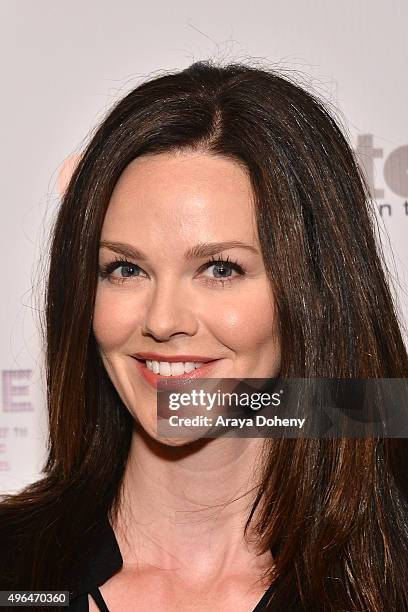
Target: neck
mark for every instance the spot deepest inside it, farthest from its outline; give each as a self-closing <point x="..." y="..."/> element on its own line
<point x="185" y="508"/>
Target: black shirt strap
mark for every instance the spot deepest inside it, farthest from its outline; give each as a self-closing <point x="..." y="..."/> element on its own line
<point x="99" y="600"/>
<point x="260" y="607"/>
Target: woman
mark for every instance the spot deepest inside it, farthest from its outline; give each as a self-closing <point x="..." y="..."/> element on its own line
<point x="217" y="214"/>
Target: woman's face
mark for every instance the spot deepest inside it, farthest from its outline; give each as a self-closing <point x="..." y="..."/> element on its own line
<point x="170" y="298"/>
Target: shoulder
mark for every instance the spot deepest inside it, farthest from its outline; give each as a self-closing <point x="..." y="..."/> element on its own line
<point x="29" y="540"/>
<point x="43" y="545"/>
<point x="12" y="538"/>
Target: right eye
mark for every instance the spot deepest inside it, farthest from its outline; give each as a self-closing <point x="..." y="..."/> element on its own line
<point x="129" y="270"/>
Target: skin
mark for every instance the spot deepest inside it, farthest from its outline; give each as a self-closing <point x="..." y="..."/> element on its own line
<point x="185" y="503"/>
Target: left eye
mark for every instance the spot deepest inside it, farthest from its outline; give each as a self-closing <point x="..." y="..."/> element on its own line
<point x="222" y="269"/>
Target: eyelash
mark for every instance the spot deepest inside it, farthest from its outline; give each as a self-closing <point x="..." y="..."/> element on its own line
<point x="106" y="270"/>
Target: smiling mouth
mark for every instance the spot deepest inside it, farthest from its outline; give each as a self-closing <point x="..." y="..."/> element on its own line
<point x="165" y="369"/>
<point x="205" y="370"/>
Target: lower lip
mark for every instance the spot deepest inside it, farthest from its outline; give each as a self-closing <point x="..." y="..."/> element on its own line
<point x="174" y="381"/>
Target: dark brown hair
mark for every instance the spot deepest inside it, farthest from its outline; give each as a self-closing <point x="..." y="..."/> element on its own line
<point x="335" y="510"/>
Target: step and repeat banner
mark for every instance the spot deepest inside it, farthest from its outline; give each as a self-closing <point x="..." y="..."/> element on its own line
<point x="64" y="64"/>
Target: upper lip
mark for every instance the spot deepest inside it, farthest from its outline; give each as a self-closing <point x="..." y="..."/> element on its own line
<point x="172" y="358"/>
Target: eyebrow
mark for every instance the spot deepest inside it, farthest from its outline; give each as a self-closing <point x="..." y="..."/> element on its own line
<point x="203" y="249"/>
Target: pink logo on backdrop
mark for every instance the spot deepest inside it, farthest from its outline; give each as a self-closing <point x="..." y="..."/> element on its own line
<point x="16" y="391"/>
<point x="394" y="174"/>
<point x="68" y="166"/>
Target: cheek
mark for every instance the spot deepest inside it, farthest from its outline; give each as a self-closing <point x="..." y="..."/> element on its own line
<point x="246" y="322"/>
<point x="113" y="319"/>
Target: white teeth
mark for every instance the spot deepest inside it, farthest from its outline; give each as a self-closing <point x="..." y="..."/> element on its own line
<point x="155" y="365"/>
<point x="177" y="368"/>
<point x="164" y="368"/>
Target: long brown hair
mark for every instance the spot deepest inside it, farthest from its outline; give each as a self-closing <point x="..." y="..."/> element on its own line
<point x="335" y="510"/>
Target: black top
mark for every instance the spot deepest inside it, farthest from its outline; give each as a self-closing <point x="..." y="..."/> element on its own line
<point x="103" y="563"/>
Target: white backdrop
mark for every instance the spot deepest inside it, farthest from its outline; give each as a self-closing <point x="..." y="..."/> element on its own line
<point x="64" y="63"/>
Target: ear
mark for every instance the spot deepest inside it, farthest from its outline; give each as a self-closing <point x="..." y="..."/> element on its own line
<point x="66" y="170"/>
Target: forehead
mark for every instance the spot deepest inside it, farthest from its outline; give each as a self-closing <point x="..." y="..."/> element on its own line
<point x="193" y="195"/>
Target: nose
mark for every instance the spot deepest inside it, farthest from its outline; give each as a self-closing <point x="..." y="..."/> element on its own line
<point x="170" y="311"/>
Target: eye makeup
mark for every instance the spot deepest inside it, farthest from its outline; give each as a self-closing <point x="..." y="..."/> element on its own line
<point x="220" y="263"/>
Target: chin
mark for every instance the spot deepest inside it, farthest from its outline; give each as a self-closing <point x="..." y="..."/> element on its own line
<point x="149" y="430"/>
<point x="176" y="441"/>
<point x="189" y="438"/>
